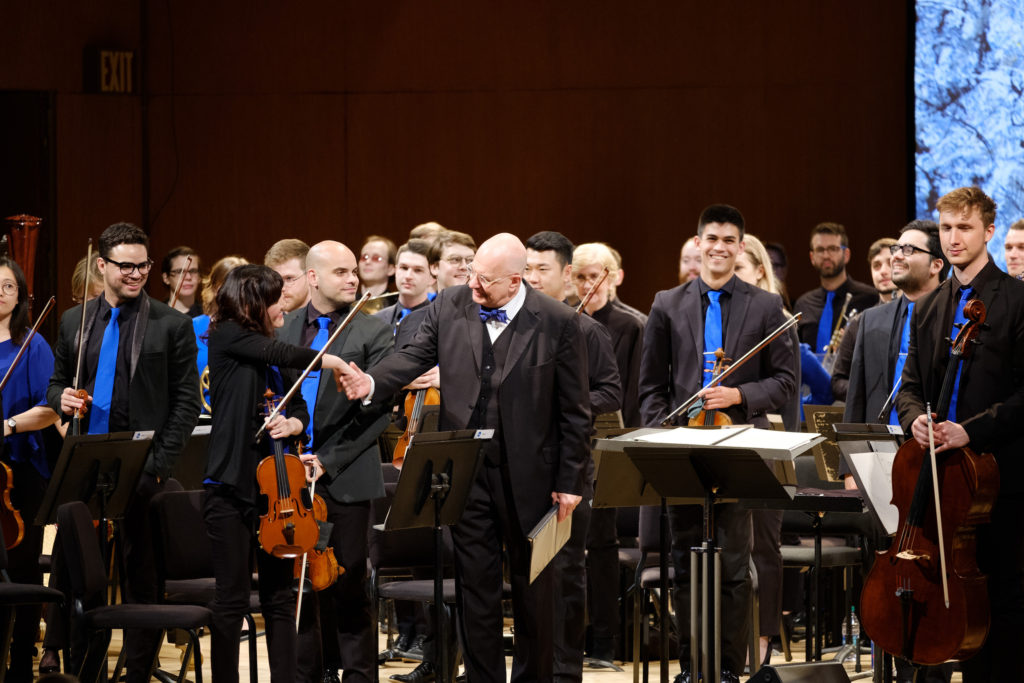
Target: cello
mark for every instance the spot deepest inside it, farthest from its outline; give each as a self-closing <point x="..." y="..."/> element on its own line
<point x="924" y="598"/>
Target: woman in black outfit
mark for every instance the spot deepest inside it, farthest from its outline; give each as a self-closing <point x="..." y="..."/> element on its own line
<point x="241" y="350"/>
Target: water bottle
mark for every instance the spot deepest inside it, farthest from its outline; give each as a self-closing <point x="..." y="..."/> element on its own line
<point x="851" y="633"/>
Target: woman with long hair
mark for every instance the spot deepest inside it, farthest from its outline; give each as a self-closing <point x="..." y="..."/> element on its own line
<point x="242" y="351"/>
<point x="201" y="323"/>
<point x="25" y="414"/>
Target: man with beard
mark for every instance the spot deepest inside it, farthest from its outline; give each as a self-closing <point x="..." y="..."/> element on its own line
<point x="288" y="258"/>
<point x="689" y="261"/>
<point x="830" y="252"/>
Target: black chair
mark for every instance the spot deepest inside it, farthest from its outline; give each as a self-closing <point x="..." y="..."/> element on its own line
<point x="12" y="595"/>
<point x="647" y="581"/>
<point x="184" y="558"/>
<point x="93" y="618"/>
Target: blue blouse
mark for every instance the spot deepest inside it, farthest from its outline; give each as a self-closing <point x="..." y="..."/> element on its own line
<point x="26" y="389"/>
<point x="200" y="324"/>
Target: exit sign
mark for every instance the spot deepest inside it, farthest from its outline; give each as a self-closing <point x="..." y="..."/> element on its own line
<point x="110" y="71"/>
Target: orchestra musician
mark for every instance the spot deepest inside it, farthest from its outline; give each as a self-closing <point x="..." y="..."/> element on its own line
<point x="986" y="411"/>
<point x="1013" y="248"/>
<point x="176" y="267"/>
<point x="288" y="258"/>
<point x="242" y="349"/>
<point x="346" y="459"/>
<point x="201" y="323"/>
<point x="687" y="324"/>
<point x="512" y="360"/>
<point x="25" y="415"/>
<point x="450" y="256"/>
<point x="689" y="261"/>
<point x="377" y="264"/>
<point x="140" y="373"/>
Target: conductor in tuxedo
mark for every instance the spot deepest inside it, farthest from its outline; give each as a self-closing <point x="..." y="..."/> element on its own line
<point x="986" y="410"/>
<point x="686" y="325"/>
<point x="343" y="436"/>
<point x="514" y="361"/>
<point x="139" y="368"/>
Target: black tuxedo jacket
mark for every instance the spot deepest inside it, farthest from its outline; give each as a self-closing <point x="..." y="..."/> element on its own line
<point x="672" y="360"/>
<point x="164" y="382"/>
<point x="543" y="402"/>
<point x="345" y="432"/>
<point x="990" y="405"/>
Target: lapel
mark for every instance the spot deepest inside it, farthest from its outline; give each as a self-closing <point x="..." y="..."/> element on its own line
<point x="691" y="310"/>
<point x="141" y="321"/>
<point x="471" y="318"/>
<point x="337" y="348"/>
<point x="90" y="320"/>
<point x="526" y="323"/>
<point x="737" y="321"/>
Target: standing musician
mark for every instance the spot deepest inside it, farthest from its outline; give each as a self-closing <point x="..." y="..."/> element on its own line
<point x="288" y="258"/>
<point x="201" y="323"/>
<point x="25" y="415"/>
<point x="450" y="258"/>
<point x="242" y="348"/>
<point x="986" y="411"/>
<point x="139" y="369"/>
<point x="687" y="324"/>
<point x="414" y="279"/>
<point x="514" y="361"/>
<point x="588" y="564"/>
<point x="345" y="457"/>
<point x="181" y="276"/>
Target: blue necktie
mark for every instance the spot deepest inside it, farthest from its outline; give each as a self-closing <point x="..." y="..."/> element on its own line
<point x="106" y="368"/>
<point x="402" y="313"/>
<point x="311" y="384"/>
<point x="497" y="314"/>
<point x="712" y="332"/>
<point x="825" y="324"/>
<point x="901" y="360"/>
<point x="959" y="320"/>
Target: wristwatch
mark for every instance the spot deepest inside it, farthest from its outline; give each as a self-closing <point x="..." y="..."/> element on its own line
<point x="13" y="424"/>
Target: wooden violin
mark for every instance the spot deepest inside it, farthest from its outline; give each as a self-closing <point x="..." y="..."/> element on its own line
<point x="699" y="416"/>
<point x="924" y="598"/>
<point x="287" y="528"/>
<point x="414" y="404"/>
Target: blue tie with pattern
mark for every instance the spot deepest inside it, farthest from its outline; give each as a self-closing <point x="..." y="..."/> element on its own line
<point x="712" y="332"/>
<point x="901" y="360"/>
<point x="825" y="324"/>
<point x="311" y="384"/>
<point x="106" y="368"/>
<point x="959" y="320"/>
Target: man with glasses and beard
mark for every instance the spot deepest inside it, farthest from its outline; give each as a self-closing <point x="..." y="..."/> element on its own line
<point x="139" y="369"/>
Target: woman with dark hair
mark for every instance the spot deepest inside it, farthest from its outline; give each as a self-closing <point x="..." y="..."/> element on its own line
<point x="242" y="351"/>
<point x="25" y="414"/>
<point x="201" y="323"/>
<point x="176" y="267"/>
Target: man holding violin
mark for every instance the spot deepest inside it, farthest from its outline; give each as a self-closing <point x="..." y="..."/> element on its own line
<point x="986" y="410"/>
<point x="686" y="326"/>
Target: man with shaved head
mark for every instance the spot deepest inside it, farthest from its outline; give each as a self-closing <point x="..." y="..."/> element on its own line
<point x="346" y="459"/>
<point x="514" y="361"/>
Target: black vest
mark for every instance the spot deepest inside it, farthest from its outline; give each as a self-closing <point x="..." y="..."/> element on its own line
<point x="487" y="414"/>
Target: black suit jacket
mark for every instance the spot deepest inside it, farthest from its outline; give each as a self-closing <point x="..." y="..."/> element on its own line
<point x="543" y="402"/>
<point x="345" y="432"/>
<point x="990" y="406"/>
<point x="876" y="346"/>
<point x="672" y="361"/>
<point x="163" y="383"/>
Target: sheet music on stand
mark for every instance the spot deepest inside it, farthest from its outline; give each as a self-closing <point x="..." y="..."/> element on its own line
<point x="870" y="450"/>
<point x="546" y="539"/>
<point x="826" y="454"/>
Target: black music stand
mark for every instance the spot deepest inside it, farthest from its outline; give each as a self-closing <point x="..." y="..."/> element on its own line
<point x="436" y="479"/>
<point x="704" y="475"/>
<point x="190" y="466"/>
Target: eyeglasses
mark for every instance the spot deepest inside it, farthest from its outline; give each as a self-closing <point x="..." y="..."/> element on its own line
<point x="908" y="250"/>
<point x="191" y="272"/>
<point x="292" y="279"/>
<point x="485" y="281"/>
<point x="9" y="287"/>
<point x="127" y="268"/>
<point x="456" y="261"/>
<point x="821" y="251"/>
<point x="376" y="258"/>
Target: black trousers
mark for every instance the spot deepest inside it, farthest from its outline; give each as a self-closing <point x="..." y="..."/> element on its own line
<point x="346" y="637"/>
<point x="767" y="556"/>
<point x="230" y="523"/>
<point x="490" y="518"/>
<point x="603" y="581"/>
<point x="570" y="602"/>
<point x="733" y="536"/>
<point x="23" y="566"/>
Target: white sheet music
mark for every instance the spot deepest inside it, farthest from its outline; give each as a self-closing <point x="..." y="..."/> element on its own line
<point x="685" y="436"/>
<point x="770" y="439"/>
<point x="874" y="474"/>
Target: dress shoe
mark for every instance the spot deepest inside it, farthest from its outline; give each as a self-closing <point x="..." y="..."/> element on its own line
<point x="330" y="676"/>
<point x="684" y="676"/>
<point x="421" y="674"/>
<point x="415" y="651"/>
<point x="49" y="663"/>
<point x="729" y="677"/>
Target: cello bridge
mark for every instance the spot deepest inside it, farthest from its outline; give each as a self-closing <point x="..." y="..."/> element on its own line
<point x="911" y="555"/>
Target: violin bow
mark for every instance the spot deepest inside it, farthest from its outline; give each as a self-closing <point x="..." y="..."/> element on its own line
<point x="28" y="339"/>
<point x="590" y="294"/>
<point x="181" y="279"/>
<point x="309" y="368"/>
<point x="302" y="573"/>
<point x="685" y="405"/>
<point x="75" y="420"/>
<point x="938" y="505"/>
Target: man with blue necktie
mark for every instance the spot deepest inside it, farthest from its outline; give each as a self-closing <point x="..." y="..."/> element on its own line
<point x="346" y="459"/>
<point x="821" y="307"/>
<point x="985" y="413"/>
<point x="139" y="368"/>
<point x="686" y="326"/>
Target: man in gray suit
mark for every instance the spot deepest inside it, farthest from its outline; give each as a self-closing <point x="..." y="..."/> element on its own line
<point x="515" y="361"/>
<point x="345" y="457"/>
<point x="686" y="325"/>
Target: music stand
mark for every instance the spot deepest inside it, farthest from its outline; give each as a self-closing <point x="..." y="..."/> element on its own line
<point x="190" y="467"/>
<point x="439" y="467"/>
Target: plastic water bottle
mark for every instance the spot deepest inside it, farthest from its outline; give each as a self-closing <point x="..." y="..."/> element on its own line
<point x="851" y="633"/>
